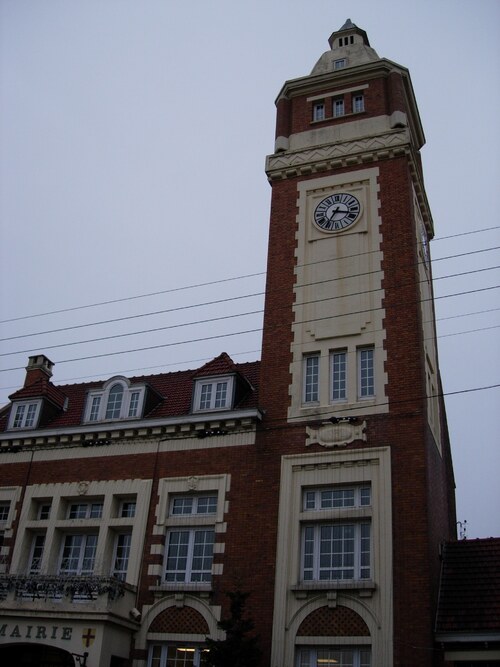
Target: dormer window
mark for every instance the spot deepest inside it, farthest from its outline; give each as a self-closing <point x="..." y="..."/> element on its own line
<point x="24" y="415"/>
<point x="340" y="63"/>
<point x="117" y="400"/>
<point x="213" y="394"/>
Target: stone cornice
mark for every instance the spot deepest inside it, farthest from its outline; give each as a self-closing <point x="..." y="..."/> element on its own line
<point x="288" y="164"/>
<point x="303" y="85"/>
<point x="199" y="425"/>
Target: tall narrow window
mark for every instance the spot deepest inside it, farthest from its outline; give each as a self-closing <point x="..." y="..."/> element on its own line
<point x="339" y="364"/>
<point x="319" y="111"/>
<point x="206" y="396"/>
<point x="366" y="372"/>
<point x="94" y="409"/>
<point x="122" y="554"/>
<point x="134" y="404"/>
<point x="311" y="378"/>
<point x="358" y="103"/>
<point x="338" y="107"/>
<point x="36" y="553"/>
<point x="221" y="394"/>
<point x="115" y="399"/>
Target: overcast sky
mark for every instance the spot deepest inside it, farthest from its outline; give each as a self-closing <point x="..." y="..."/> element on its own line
<point x="133" y="135"/>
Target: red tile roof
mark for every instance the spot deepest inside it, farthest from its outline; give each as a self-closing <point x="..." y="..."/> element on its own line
<point x="469" y="597"/>
<point x="41" y="388"/>
<point x="221" y="365"/>
<point x="175" y="390"/>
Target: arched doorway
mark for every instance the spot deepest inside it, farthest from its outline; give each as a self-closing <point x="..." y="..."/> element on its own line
<point x="35" y="655"/>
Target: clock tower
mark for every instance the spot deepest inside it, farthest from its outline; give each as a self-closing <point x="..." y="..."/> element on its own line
<point x="350" y="378"/>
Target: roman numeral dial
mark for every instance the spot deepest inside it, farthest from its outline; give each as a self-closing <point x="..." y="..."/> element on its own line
<point x="337" y="212"/>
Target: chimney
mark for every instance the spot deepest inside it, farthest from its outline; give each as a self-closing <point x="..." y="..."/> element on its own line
<point x="39" y="366"/>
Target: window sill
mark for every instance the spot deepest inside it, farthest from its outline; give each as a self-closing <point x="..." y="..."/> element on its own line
<point x="180" y="587"/>
<point x="345" y="115"/>
<point x="366" y="587"/>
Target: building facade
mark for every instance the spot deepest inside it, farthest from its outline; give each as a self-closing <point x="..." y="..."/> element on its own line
<point x="318" y="480"/>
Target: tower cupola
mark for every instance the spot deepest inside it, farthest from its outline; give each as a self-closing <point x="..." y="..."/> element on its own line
<point x="348" y="35"/>
<point x="349" y="46"/>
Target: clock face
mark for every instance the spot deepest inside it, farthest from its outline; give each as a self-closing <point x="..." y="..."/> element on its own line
<point x="337" y="212"/>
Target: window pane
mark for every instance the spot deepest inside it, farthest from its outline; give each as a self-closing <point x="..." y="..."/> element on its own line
<point x="94" y="409"/>
<point x="221" y="395"/>
<point x="206" y="505"/>
<point x="311" y="389"/>
<point x="182" y="506"/>
<point x="337" y="498"/>
<point x="89" y="554"/>
<point x="78" y="554"/>
<point x="37" y="553"/>
<point x="115" y="399"/>
<point x="71" y="554"/>
<point x="177" y="555"/>
<point x="340" y="656"/>
<point x="366" y="377"/>
<point x="336" y="551"/>
<point x="134" y="404"/>
<point x="358" y="103"/>
<point x="128" y="508"/>
<point x="365" y="496"/>
<point x="122" y="555"/>
<point x="4" y="511"/>
<point x="319" y="111"/>
<point x="96" y="511"/>
<point x="18" y="419"/>
<point x="339" y="361"/>
<point x="155" y="656"/>
<point x="206" y="396"/>
<point x="30" y="417"/>
<point x="202" y="555"/>
<point x="310" y="500"/>
<point x="78" y="511"/>
<point x="338" y="107"/>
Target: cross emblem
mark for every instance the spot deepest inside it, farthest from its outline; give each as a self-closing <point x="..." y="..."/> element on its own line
<point x="88" y="636"/>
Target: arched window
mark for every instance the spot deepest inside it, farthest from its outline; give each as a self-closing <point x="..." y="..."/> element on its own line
<point x="118" y="399"/>
<point x="115" y="399"/>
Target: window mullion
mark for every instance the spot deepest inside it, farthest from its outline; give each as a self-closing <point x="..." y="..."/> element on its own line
<point x="190" y="556"/>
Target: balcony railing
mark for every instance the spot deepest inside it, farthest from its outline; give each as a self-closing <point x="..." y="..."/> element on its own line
<point x="57" y="587"/>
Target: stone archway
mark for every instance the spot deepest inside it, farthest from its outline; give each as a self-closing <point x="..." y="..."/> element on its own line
<point x="35" y="655"/>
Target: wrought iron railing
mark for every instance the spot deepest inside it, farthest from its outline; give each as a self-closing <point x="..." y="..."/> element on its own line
<point x="57" y="587"/>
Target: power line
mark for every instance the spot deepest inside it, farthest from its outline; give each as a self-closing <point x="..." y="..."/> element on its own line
<point x="226" y="300"/>
<point x="217" y="282"/>
<point x="210" y="320"/>
<point x="131" y="298"/>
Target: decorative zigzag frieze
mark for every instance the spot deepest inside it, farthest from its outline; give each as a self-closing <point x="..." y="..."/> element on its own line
<point x="359" y="151"/>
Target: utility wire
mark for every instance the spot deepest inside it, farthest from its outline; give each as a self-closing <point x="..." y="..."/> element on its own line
<point x="207" y="338"/>
<point x="210" y="283"/>
<point x="228" y="300"/>
<point x="210" y="320"/>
